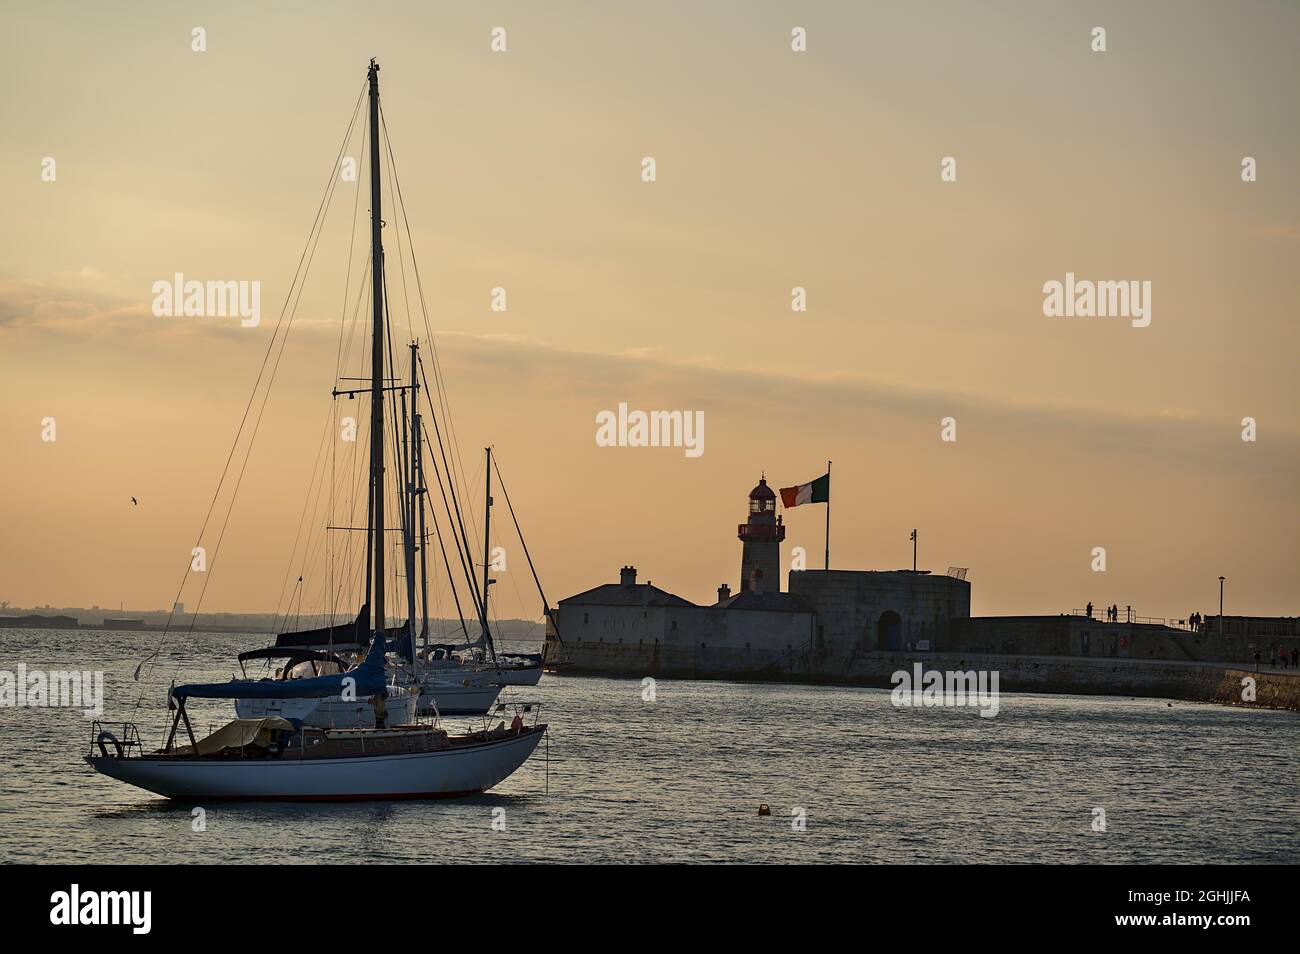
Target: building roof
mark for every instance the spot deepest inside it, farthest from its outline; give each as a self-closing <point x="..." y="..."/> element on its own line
<point x="762" y="491"/>
<point x="632" y="594"/>
<point x="767" y="602"/>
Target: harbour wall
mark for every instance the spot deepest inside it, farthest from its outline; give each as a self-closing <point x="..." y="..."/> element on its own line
<point x="1167" y="679"/>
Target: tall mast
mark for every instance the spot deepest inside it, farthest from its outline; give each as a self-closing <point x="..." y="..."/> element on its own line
<point x="408" y="506"/>
<point x="487" y="544"/>
<point x="376" y="364"/>
<point x="417" y="449"/>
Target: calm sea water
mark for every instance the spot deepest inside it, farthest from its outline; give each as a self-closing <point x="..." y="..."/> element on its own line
<point x="681" y="778"/>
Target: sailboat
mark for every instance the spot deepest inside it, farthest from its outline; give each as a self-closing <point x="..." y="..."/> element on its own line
<point x="279" y="757"/>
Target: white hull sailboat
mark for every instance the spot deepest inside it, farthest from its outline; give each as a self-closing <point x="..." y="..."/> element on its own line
<point x="401" y="763"/>
<point x="509" y="670"/>
<point x="283" y="756"/>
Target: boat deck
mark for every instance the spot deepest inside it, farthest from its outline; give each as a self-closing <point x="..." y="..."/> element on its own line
<point x="398" y="740"/>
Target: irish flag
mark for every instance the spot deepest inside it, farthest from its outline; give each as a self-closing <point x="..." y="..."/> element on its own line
<point x="819" y="491"/>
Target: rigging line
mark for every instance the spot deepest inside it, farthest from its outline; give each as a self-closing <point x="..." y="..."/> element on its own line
<point x="266" y="393"/>
<point x="314" y="542"/>
<point x="354" y="484"/>
<point x="383" y="125"/>
<point x="353" y="507"/>
<point x="312" y="547"/>
<point x="332" y="552"/>
<point x="320" y="453"/>
<point x="338" y="359"/>
<point x="356" y="312"/>
<point x="433" y="513"/>
<point x="352" y="234"/>
<point x="257" y="424"/>
<point x="546" y="605"/>
<point x="456" y="473"/>
<point x="451" y="471"/>
<point x="251" y="397"/>
<point x="463" y="539"/>
<point x="356" y="478"/>
<point x="451" y="580"/>
<point x="472" y="585"/>
<point x="352" y="515"/>
<point x="399" y="457"/>
<point x="453" y="516"/>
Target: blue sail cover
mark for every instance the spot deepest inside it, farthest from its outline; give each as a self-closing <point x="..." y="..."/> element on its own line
<point x="367" y="677"/>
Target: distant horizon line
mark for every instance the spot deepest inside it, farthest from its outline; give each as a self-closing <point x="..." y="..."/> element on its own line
<point x="48" y="608"/>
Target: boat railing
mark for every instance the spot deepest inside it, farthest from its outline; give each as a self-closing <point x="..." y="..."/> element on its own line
<point x="107" y="742"/>
<point x="520" y="707"/>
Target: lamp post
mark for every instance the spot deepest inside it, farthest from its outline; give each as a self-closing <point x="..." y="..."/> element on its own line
<point x="1221" y="606"/>
<point x="913" y="551"/>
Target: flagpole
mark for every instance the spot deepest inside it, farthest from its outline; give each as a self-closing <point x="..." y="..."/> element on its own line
<point x="828" y="515"/>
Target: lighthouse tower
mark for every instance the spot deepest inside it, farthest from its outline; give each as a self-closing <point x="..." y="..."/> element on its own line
<point x="761" y="536"/>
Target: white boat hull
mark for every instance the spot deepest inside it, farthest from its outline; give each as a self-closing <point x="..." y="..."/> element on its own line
<point x="439" y="774"/>
<point x="456" y="699"/>
<point x="521" y="676"/>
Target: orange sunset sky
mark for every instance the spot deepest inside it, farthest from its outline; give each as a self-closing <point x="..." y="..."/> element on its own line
<point x="775" y="169"/>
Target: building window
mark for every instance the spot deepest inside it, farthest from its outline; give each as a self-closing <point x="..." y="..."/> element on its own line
<point x="674" y="626"/>
<point x="586" y="618"/>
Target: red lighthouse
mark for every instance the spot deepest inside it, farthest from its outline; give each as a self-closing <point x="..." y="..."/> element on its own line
<point x="761" y="536"/>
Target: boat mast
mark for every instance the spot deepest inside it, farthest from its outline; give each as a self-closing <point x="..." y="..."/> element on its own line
<point x="408" y="507"/>
<point x="417" y="427"/>
<point x="487" y="553"/>
<point x="376" y="365"/>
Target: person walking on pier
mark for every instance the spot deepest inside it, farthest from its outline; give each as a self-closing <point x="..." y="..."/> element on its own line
<point x="1089" y="609"/>
<point x="1295" y="657"/>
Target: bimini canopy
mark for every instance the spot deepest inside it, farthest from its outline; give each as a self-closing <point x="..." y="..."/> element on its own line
<point x="366" y="679"/>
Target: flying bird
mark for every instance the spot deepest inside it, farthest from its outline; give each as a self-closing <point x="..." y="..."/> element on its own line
<point x="134" y="501"/>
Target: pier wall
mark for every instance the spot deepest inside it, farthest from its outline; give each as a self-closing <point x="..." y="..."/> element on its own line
<point x="1169" y="679"/>
<point x="1080" y="636"/>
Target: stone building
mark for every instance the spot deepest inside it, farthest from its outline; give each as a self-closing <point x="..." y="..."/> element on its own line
<point x="883" y="610"/>
<point x="636" y="627"/>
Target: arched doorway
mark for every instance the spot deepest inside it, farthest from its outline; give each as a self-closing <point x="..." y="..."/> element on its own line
<point x="889" y="633"/>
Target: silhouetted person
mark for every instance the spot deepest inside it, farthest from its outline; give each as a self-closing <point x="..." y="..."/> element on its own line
<point x="1089" y="609"/>
<point x="1256" y="655"/>
<point x="1295" y="658"/>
